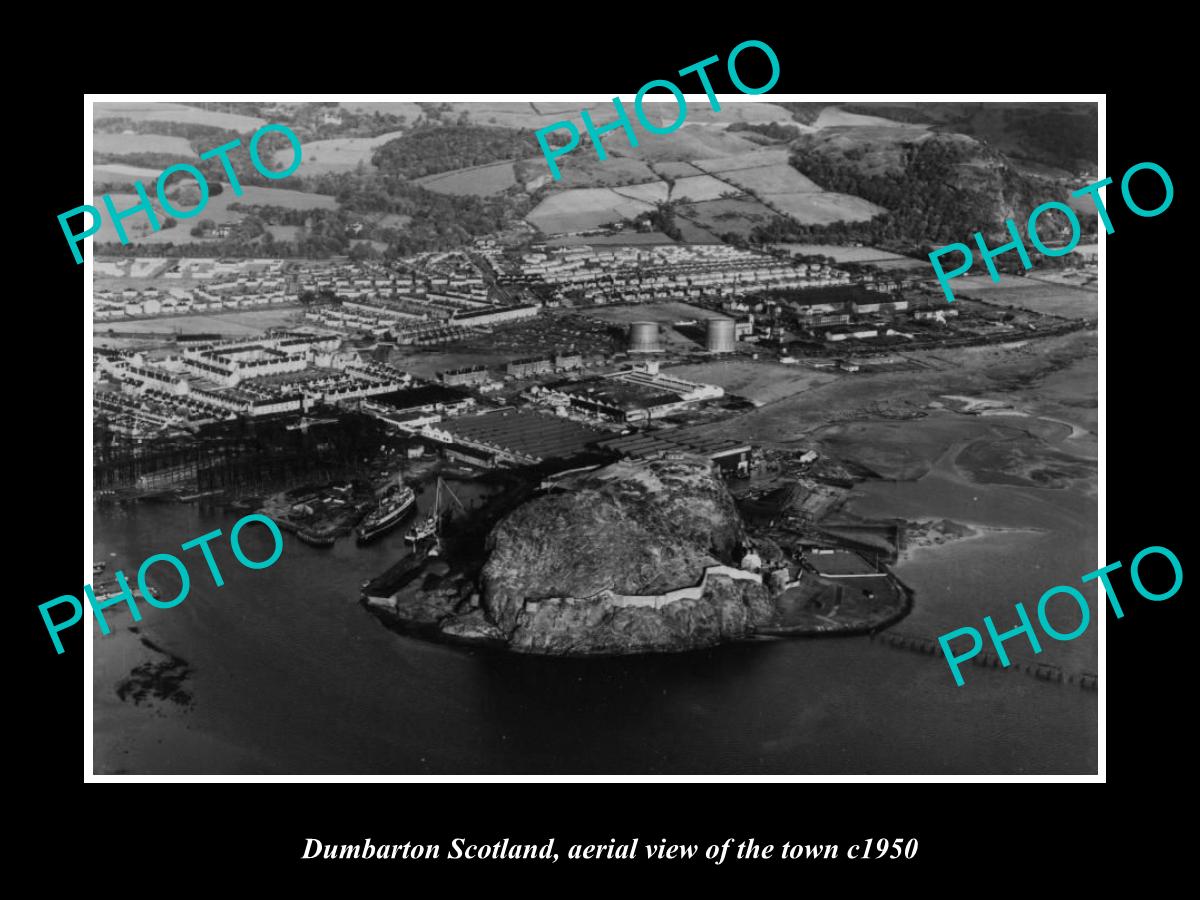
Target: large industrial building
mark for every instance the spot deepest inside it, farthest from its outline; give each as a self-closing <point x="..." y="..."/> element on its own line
<point x="495" y="314"/>
<point x="619" y="401"/>
<point x="633" y="395"/>
<point x="730" y="456"/>
<point x="426" y="397"/>
<point x="465" y="376"/>
<point x="512" y="436"/>
<point x="537" y="365"/>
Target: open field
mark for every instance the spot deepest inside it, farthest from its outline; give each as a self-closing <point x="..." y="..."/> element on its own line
<point x="628" y="239"/>
<point x="833" y="117"/>
<point x="660" y="112"/>
<point x="760" y="381"/>
<point x="686" y="144"/>
<point x="823" y="209"/>
<point x="904" y="264"/>
<point x="389" y="220"/>
<point x="691" y="233"/>
<point x="968" y="371"/>
<point x="427" y="363"/>
<point x="559" y="109"/>
<point x="664" y="313"/>
<point x="789" y="193"/>
<point x="284" y="232"/>
<point x="142" y="143"/>
<point x="581" y="169"/>
<point x="233" y="322"/>
<point x="736" y="215"/>
<point x="699" y="188"/>
<point x="138" y="227"/>
<point x="480" y="181"/>
<point x="508" y="115"/>
<point x="409" y="110"/>
<point x="749" y="158"/>
<point x="676" y="169"/>
<point x="1071" y="278"/>
<point x="139" y="282"/>
<point x="734" y="111"/>
<point x="845" y="254"/>
<point x="775" y="179"/>
<point x="584" y="208"/>
<point x="118" y="173"/>
<point x="341" y="154"/>
<point x="175" y="112"/>
<point x="1059" y="299"/>
<point x="650" y="192"/>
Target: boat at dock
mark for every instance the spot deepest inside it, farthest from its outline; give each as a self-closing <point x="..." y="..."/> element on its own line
<point x="426" y="528"/>
<point x="431" y="525"/>
<point x="387" y="515"/>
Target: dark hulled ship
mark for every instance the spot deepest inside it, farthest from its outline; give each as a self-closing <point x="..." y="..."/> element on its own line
<point x="387" y="515"/>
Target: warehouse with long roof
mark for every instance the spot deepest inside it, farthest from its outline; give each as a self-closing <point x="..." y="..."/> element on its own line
<point x="515" y="436"/>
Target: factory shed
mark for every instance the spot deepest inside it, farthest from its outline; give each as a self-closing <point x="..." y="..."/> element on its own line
<point x="732" y="457"/>
<point x="516" y="436"/>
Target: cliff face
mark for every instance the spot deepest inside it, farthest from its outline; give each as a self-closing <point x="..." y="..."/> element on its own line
<point x="640" y="529"/>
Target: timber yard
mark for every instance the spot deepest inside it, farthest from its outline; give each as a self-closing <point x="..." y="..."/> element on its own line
<point x="510" y="368"/>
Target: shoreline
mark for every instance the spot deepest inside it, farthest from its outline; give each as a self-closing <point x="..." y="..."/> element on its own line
<point x="490" y="638"/>
<point x="951" y="533"/>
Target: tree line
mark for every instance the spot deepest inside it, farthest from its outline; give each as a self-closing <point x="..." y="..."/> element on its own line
<point x="433" y="149"/>
<point x="939" y="196"/>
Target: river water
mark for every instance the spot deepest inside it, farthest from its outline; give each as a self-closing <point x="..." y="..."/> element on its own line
<point x="290" y="675"/>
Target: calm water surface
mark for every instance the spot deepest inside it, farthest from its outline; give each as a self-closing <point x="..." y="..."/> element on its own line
<point x="292" y="676"/>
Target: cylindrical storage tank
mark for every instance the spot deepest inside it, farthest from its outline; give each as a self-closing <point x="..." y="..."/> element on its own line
<point x="721" y="336"/>
<point x="643" y="337"/>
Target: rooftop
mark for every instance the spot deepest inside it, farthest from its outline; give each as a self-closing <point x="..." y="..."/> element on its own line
<point x="422" y="395"/>
<point x="643" y="444"/>
<point x="527" y="433"/>
<point x="621" y="394"/>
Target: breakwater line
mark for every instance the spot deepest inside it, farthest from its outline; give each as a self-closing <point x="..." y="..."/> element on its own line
<point x="986" y="659"/>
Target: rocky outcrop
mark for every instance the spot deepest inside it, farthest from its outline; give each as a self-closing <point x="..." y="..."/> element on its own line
<point x="471" y="627"/>
<point x="725" y="611"/>
<point x="577" y="571"/>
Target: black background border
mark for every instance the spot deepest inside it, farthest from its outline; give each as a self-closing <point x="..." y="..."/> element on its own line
<point x="959" y="828"/>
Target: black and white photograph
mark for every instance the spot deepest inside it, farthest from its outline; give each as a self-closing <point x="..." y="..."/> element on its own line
<point x="734" y="435"/>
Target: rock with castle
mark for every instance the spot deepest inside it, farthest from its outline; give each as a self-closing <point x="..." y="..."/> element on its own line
<point x="632" y="557"/>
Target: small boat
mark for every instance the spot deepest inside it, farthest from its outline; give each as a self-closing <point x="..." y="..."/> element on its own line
<point x="426" y="528"/>
<point x="431" y="525"/>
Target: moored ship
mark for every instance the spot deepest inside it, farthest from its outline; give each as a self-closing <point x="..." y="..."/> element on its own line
<point x="431" y="525"/>
<point x="387" y="515"/>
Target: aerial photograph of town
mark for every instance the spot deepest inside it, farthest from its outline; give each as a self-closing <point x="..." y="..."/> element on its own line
<point x="680" y="463"/>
